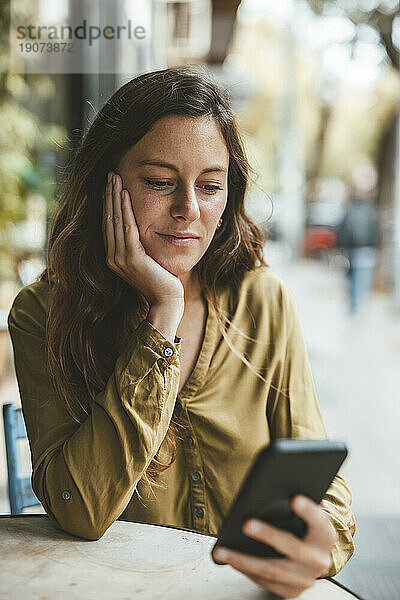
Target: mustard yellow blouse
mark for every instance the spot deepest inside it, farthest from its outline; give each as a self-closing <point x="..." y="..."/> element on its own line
<point x="86" y="475"/>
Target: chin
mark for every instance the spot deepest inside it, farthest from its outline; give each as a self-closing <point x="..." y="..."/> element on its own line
<point x="176" y="266"/>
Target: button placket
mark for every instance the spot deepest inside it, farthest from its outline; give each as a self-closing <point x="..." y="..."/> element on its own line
<point x="197" y="487"/>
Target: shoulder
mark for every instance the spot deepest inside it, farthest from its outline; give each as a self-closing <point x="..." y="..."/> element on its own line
<point x="263" y="286"/>
<point x="29" y="308"/>
<point x="262" y="304"/>
<point x="265" y="296"/>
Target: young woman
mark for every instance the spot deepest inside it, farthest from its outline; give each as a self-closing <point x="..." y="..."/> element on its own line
<point x="157" y="353"/>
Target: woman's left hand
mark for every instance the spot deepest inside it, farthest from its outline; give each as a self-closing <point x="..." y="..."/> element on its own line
<point x="305" y="559"/>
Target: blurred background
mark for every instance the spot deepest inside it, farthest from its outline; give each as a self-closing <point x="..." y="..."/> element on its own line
<point x="316" y="89"/>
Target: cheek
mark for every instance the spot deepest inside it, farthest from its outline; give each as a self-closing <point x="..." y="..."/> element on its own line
<point x="145" y="207"/>
<point x="214" y="215"/>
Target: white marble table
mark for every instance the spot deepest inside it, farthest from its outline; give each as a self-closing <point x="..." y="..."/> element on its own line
<point x="131" y="560"/>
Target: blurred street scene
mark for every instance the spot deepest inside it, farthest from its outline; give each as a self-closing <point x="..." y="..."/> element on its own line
<point x="315" y="85"/>
<point x="354" y="359"/>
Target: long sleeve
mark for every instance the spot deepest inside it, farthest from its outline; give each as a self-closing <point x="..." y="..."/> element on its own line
<point x="294" y="412"/>
<point x="85" y="474"/>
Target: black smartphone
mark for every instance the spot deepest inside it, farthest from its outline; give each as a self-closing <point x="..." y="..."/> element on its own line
<point x="281" y="470"/>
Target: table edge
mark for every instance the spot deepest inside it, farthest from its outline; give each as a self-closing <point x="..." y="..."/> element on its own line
<point x="40" y="515"/>
<point x="346" y="589"/>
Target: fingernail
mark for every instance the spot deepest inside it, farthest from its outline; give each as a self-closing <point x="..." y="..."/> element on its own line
<point x="253" y="527"/>
<point x="114" y="179"/>
<point x="221" y="554"/>
<point x="300" y="502"/>
<point x="109" y="176"/>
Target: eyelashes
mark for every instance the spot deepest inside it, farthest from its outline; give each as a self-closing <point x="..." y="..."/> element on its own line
<point x="157" y="184"/>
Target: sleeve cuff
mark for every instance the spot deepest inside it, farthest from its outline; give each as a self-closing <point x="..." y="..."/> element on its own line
<point x="155" y="340"/>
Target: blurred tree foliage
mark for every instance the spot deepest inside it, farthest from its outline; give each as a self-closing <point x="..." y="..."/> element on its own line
<point x="373" y="125"/>
<point x="338" y="135"/>
<point x="379" y="15"/>
<point x="255" y="49"/>
<point x="25" y="145"/>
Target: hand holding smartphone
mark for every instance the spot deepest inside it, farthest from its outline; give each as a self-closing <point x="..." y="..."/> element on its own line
<point x="283" y="469"/>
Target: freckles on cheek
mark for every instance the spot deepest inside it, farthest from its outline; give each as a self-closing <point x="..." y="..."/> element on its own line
<point x="144" y="206"/>
<point x="151" y="221"/>
<point x="135" y="191"/>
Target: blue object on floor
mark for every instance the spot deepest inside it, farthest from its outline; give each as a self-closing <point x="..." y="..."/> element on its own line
<point x="20" y="491"/>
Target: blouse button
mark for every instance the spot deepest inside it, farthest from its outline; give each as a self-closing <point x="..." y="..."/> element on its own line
<point x="196" y="476"/>
<point x="66" y="495"/>
<point x="178" y="406"/>
<point x="190" y="441"/>
<point x="199" y="513"/>
<point x="168" y="351"/>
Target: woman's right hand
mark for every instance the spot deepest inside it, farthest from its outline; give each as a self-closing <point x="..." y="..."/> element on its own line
<point x="125" y="254"/>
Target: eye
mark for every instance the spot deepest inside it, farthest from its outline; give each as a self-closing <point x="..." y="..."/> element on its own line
<point x="211" y="189"/>
<point x="158" y="185"/>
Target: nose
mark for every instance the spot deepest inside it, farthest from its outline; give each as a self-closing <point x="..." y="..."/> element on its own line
<point x="185" y="203"/>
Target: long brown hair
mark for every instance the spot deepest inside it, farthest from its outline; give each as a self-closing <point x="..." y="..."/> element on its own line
<point x="91" y="310"/>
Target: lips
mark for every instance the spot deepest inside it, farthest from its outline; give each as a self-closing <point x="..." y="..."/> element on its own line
<point x="178" y="241"/>
<point x="179" y="237"/>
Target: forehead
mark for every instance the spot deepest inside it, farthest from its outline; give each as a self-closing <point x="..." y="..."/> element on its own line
<point x="182" y="141"/>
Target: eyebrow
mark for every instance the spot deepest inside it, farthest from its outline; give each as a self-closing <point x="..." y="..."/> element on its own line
<point x="160" y="163"/>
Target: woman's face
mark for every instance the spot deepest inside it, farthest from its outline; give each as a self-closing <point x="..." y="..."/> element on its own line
<point x="177" y="177"/>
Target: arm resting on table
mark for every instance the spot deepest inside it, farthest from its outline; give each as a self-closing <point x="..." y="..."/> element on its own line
<point x="85" y="473"/>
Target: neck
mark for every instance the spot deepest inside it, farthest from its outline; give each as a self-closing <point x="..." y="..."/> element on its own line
<point x="191" y="286"/>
